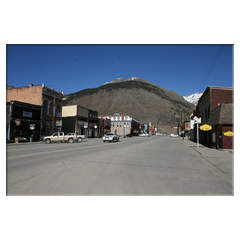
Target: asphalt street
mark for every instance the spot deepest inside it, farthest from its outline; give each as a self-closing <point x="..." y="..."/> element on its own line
<point x="156" y="165"/>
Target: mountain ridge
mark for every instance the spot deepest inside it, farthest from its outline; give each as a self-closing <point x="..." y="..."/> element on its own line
<point x="142" y="100"/>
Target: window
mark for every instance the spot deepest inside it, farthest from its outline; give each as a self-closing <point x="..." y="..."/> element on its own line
<point x="45" y="106"/>
<point x="51" y="109"/>
<point x="58" y="111"/>
<point x="208" y="112"/>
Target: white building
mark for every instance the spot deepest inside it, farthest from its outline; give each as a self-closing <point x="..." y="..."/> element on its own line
<point x="123" y="124"/>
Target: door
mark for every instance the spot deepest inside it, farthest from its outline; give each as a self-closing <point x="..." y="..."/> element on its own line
<point x="55" y="137"/>
<point x="217" y="140"/>
<point x="61" y="137"/>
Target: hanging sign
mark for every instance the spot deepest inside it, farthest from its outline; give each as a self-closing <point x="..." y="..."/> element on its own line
<point x="18" y="122"/>
<point x="228" y="134"/>
<point x="59" y="123"/>
<point x="31" y="126"/>
<point x="206" y="127"/>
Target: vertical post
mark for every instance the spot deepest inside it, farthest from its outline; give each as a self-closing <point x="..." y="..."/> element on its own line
<point x="197" y="137"/>
<point x="53" y="128"/>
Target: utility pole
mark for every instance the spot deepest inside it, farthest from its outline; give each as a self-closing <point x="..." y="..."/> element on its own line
<point x="53" y="114"/>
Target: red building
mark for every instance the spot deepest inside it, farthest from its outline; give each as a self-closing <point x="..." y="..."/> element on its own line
<point x="215" y="108"/>
<point x="221" y="120"/>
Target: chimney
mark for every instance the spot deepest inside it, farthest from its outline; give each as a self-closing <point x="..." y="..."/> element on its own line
<point x="30" y="84"/>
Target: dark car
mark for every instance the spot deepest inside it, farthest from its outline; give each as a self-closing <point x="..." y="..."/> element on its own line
<point x="128" y="135"/>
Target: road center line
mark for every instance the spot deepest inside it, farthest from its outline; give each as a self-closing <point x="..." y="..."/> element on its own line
<point x="69" y="149"/>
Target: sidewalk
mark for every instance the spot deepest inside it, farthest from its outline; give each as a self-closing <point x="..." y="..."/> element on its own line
<point x="219" y="159"/>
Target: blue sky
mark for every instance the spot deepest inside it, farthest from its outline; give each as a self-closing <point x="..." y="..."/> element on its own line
<point x="186" y="69"/>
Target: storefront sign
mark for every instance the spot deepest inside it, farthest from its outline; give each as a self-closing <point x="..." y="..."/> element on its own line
<point x="31" y="126"/>
<point x="228" y="134"/>
<point x="81" y="123"/>
<point x="59" y="123"/>
<point x="27" y="114"/>
<point x="206" y="127"/>
<point x="85" y="125"/>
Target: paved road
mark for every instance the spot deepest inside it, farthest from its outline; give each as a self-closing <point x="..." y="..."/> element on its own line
<point x="155" y="165"/>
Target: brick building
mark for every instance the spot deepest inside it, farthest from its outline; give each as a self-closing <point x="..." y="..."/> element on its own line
<point x="48" y="99"/>
<point x="104" y="125"/>
<point x="221" y="120"/>
<point x="211" y="99"/>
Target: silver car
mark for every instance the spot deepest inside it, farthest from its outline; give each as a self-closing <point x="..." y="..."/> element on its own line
<point x="110" y="137"/>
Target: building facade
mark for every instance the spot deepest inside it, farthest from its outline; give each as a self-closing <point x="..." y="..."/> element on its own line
<point x="23" y="120"/>
<point x="123" y="124"/>
<point x="211" y="99"/>
<point x="104" y="125"/>
<point x="80" y="120"/>
<point x="49" y="100"/>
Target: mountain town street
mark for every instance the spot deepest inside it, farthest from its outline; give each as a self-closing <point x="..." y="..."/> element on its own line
<point x="156" y="165"/>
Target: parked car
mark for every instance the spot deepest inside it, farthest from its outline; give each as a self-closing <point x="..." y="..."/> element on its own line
<point x="128" y="135"/>
<point x="158" y="134"/>
<point x="173" y="135"/>
<point x="144" y="135"/>
<point x="61" y="137"/>
<point x="110" y="137"/>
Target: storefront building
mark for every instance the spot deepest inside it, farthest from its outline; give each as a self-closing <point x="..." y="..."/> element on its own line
<point x="104" y="126"/>
<point x="49" y="100"/>
<point x="92" y="124"/>
<point x="23" y="121"/>
<point x="79" y="120"/>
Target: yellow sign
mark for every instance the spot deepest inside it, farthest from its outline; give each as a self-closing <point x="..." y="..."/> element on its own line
<point x="228" y="134"/>
<point x="206" y="127"/>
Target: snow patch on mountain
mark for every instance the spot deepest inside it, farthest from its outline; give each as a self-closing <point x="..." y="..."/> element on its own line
<point x="193" y="98"/>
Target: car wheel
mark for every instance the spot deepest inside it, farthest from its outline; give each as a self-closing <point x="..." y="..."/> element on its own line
<point x="70" y="140"/>
<point x="79" y="140"/>
<point x="47" y="140"/>
<point x="104" y="141"/>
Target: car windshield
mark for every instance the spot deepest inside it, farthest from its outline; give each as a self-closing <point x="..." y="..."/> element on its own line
<point x="109" y="134"/>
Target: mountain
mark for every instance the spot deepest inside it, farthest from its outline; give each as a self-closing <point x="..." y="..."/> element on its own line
<point x="193" y="98"/>
<point x="136" y="97"/>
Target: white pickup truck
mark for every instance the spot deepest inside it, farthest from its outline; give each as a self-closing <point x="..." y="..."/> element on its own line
<point x="60" y="137"/>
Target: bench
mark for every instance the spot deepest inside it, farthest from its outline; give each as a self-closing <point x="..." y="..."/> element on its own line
<point x="18" y="139"/>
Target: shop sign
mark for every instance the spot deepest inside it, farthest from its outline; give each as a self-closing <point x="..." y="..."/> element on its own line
<point x="80" y="122"/>
<point x="18" y="122"/>
<point x="85" y="124"/>
<point x="206" y="127"/>
<point x="228" y="134"/>
<point x="59" y="123"/>
<point x="27" y="114"/>
<point x="31" y="126"/>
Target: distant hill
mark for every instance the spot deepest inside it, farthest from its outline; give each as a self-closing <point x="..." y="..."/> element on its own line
<point x="136" y="97"/>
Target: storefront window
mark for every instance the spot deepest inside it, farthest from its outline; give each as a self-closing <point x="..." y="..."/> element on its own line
<point x="51" y="109"/>
<point x="58" y="111"/>
<point x="45" y="106"/>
